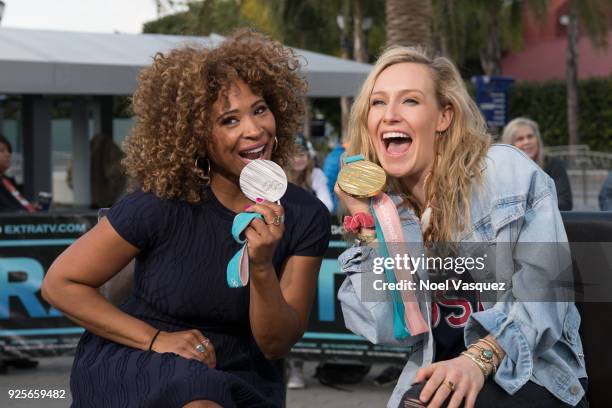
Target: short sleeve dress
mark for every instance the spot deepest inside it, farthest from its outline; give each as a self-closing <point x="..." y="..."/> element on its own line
<point x="180" y="284"/>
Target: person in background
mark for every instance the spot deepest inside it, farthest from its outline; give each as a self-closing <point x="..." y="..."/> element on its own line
<point x="107" y="178"/>
<point x="302" y="172"/>
<point x="605" y="195"/>
<point x="331" y="168"/>
<point x="524" y="133"/>
<point x="11" y="201"/>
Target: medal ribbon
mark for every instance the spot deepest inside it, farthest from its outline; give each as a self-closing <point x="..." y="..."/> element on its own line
<point x="238" y="266"/>
<point x="407" y="317"/>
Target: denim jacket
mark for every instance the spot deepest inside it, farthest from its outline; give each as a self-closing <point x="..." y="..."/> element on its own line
<point x="516" y="203"/>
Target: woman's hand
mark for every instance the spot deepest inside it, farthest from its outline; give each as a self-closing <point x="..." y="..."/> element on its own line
<point x="190" y="344"/>
<point x="352" y="204"/>
<point x="263" y="235"/>
<point x="460" y="373"/>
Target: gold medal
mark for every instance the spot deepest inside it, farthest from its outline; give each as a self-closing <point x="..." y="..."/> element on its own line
<point x="360" y="178"/>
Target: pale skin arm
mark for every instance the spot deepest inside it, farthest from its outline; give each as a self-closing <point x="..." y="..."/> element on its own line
<point x="71" y="286"/>
<point x="463" y="372"/>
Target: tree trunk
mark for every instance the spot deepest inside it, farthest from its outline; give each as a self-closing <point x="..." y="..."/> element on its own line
<point x="307" y="118"/>
<point x="345" y="102"/>
<point x="409" y="22"/>
<point x="490" y="53"/>
<point x="572" y="75"/>
<point x="360" y="50"/>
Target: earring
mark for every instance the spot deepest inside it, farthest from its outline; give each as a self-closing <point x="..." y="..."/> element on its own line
<point x="275" y="145"/>
<point x="207" y="174"/>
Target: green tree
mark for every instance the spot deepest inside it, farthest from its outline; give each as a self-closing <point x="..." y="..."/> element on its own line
<point x="481" y="29"/>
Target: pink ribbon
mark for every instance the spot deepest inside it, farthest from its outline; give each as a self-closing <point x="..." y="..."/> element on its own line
<point x="388" y="219"/>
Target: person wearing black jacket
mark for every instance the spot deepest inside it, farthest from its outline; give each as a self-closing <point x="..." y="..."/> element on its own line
<point x="525" y="134"/>
<point x="11" y="200"/>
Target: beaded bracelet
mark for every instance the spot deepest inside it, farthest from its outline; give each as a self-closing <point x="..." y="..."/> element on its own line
<point x="478" y="362"/>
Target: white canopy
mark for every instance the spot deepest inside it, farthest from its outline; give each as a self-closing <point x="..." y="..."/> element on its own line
<point x="75" y="63"/>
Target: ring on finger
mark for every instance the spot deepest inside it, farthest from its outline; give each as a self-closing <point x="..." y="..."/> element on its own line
<point x="449" y="384"/>
<point x="201" y="348"/>
<point x="278" y="220"/>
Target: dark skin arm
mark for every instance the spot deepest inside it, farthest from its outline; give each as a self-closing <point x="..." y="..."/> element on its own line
<point x="71" y="286"/>
<point x="278" y="310"/>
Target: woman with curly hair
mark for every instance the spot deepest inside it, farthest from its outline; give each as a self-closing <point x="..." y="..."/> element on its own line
<point x="184" y="338"/>
<point x="452" y="193"/>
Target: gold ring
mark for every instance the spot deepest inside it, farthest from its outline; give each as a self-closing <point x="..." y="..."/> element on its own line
<point x="449" y="384"/>
<point x="277" y="220"/>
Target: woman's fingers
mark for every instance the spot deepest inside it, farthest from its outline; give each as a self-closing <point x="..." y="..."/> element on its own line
<point x="273" y="213"/>
<point x="470" y="399"/>
<point x="190" y="344"/>
<point x="457" y="397"/>
<point x="209" y="354"/>
<point x="433" y="383"/>
<point x="424" y="373"/>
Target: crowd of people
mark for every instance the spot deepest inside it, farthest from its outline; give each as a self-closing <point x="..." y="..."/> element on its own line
<point x="190" y="340"/>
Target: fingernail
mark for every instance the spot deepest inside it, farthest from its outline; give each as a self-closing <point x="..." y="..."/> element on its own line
<point x="246" y="207"/>
<point x="259" y="200"/>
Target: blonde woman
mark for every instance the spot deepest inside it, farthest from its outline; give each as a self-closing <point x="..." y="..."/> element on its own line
<point x="415" y="118"/>
<point x="524" y="133"/>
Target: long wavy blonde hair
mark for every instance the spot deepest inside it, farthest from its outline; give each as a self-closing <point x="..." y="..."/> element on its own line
<point x="460" y="149"/>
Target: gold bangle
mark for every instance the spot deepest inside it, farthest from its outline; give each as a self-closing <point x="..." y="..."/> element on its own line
<point x="365" y="239"/>
<point x="485" y="358"/>
<point x="478" y="362"/>
<point x="486" y="353"/>
<point x="494" y="348"/>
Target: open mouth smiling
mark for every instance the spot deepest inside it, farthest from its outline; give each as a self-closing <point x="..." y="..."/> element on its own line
<point x="253" y="153"/>
<point x="396" y="143"/>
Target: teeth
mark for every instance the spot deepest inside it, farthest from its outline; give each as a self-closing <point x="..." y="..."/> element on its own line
<point x="259" y="149"/>
<point x="390" y="135"/>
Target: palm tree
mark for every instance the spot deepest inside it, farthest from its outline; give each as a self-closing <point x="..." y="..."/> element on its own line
<point x="481" y="29"/>
<point x="409" y="22"/>
<point x="593" y="16"/>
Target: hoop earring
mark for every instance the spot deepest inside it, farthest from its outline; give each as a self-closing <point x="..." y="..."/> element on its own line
<point x="206" y="174"/>
<point x="275" y="145"/>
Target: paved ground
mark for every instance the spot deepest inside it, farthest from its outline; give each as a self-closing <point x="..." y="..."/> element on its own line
<point x="53" y="374"/>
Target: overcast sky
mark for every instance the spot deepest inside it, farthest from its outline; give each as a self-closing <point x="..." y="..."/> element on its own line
<point x="104" y="16"/>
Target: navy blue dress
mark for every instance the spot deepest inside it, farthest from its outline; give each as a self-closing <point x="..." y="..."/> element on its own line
<point x="180" y="284"/>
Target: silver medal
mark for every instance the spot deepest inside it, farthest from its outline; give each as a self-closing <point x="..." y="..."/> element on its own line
<point x="263" y="178"/>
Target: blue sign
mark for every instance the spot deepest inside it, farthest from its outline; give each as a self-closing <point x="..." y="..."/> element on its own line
<point x="492" y="98"/>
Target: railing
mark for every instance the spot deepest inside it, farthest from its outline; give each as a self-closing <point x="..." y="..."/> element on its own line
<point x="586" y="169"/>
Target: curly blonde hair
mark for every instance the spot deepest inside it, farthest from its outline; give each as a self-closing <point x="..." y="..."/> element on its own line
<point x="173" y="104"/>
<point x="460" y="149"/>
